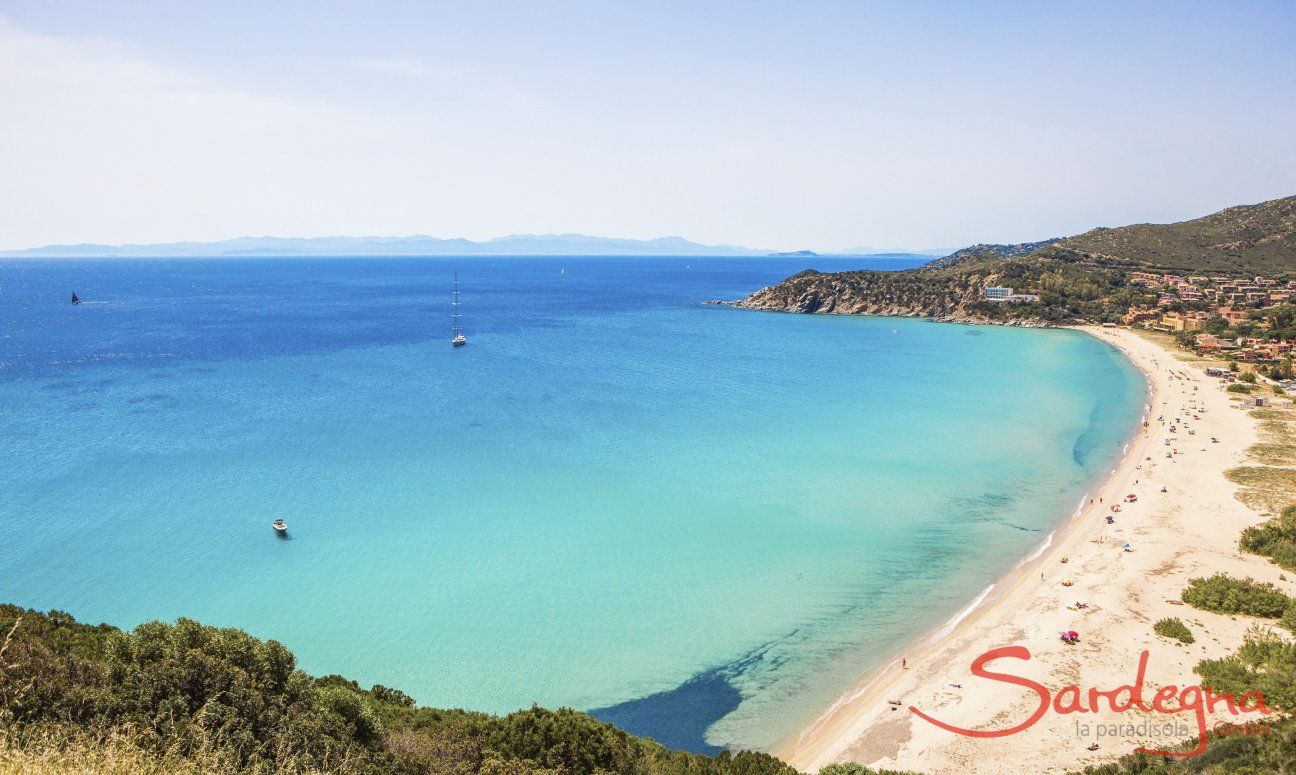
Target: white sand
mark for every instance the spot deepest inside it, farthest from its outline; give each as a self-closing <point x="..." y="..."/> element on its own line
<point x="1191" y="530"/>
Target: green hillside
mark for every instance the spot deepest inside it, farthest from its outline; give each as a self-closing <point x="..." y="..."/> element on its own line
<point x="1255" y="239"/>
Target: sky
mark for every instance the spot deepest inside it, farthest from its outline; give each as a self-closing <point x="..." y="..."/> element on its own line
<point x="780" y="125"/>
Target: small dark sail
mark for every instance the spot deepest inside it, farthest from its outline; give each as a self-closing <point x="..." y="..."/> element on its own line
<point x="75" y="300"/>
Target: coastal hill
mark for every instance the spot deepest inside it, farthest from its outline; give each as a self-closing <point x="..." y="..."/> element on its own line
<point x="982" y="249"/>
<point x="1085" y="277"/>
<point x="1249" y="239"/>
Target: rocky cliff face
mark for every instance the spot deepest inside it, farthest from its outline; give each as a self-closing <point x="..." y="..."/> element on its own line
<point x="918" y="293"/>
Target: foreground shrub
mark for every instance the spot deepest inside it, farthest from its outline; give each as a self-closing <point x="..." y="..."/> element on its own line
<point x="58" y="749"/>
<point x="186" y="697"/>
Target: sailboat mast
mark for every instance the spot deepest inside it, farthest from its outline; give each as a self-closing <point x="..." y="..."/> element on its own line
<point x="457" y="339"/>
<point x="455" y="327"/>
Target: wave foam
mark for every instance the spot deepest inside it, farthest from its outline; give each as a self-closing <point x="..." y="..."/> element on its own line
<point x="1035" y="555"/>
<point x="966" y="612"/>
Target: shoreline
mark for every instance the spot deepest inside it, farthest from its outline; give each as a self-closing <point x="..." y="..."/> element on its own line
<point x="1026" y="606"/>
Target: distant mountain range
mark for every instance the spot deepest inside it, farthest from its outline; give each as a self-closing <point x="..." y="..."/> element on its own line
<point x="417" y="245"/>
<point x="873" y="250"/>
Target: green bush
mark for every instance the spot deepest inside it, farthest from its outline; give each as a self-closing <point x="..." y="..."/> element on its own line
<point x="1275" y="539"/>
<point x="1248" y="377"/>
<point x="1173" y="628"/>
<point x="349" y="705"/>
<point x="1265" y="662"/>
<point x="1238" y="387"/>
<point x="1226" y="595"/>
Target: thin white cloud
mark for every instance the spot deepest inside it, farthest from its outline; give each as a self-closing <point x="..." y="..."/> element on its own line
<point x="409" y="68"/>
<point x="99" y="143"/>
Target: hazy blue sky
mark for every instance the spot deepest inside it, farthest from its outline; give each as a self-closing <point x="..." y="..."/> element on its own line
<point x="782" y="125"/>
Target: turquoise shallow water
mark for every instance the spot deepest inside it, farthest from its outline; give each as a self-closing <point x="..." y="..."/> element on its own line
<point x="704" y="522"/>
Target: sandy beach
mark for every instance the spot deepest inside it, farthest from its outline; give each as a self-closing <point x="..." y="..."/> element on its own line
<point x="1189" y="530"/>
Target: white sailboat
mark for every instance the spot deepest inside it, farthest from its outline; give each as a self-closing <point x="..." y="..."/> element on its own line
<point x="459" y="339"/>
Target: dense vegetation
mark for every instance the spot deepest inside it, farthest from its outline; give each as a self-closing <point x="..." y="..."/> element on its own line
<point x="1226" y="595"/>
<point x="1275" y="539"/>
<point x="189" y="692"/>
<point x="1265" y="662"/>
<point x="1077" y="278"/>
<point x="1173" y="628"/>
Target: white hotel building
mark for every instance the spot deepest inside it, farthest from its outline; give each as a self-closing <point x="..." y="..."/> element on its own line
<point x="998" y="293"/>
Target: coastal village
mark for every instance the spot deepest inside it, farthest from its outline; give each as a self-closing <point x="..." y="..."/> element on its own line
<point x="1248" y="321"/>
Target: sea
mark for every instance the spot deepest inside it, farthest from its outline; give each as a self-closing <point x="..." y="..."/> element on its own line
<point x="701" y="523"/>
